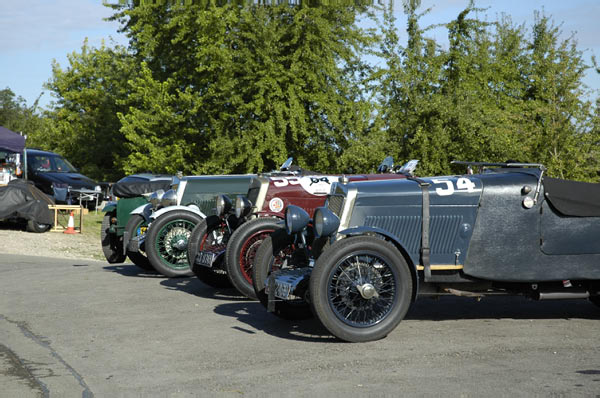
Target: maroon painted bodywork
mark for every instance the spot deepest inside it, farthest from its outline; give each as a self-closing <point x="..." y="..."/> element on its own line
<point x="281" y="191"/>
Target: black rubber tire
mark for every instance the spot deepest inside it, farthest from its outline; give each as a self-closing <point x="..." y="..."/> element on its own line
<point x="112" y="245"/>
<point x="271" y="250"/>
<point x="139" y="258"/>
<point x="215" y="276"/>
<point x="241" y="252"/>
<point x="158" y="243"/>
<point x="38" y="228"/>
<point x="392" y="271"/>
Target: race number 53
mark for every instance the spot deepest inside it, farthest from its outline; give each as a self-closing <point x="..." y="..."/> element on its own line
<point x="462" y="185"/>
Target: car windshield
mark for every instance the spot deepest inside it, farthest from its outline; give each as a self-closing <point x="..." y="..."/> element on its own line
<point x="46" y="163"/>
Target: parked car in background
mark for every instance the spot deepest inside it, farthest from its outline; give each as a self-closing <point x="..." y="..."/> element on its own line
<point x="129" y="193"/>
<point x="55" y="176"/>
<point x="506" y="230"/>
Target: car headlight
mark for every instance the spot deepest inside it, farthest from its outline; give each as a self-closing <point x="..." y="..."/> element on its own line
<point x="242" y="206"/>
<point x="98" y="188"/>
<point x="155" y="197"/>
<point x="169" y="198"/>
<point x="296" y="219"/>
<point x="223" y="205"/>
<point x="326" y="222"/>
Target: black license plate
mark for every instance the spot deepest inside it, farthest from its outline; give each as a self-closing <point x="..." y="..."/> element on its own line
<point x="207" y="258"/>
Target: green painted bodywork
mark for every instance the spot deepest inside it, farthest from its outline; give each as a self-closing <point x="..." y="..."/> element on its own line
<point x="203" y="190"/>
<point x="123" y="208"/>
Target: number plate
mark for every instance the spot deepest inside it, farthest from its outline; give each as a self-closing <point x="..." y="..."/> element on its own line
<point x="207" y="258"/>
<point x="282" y="290"/>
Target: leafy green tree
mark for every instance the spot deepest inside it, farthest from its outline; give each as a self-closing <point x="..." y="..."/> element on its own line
<point x="247" y="86"/>
<point x="15" y="115"/>
<point x="83" y="121"/>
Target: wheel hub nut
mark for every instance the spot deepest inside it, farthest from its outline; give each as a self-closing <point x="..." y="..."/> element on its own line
<point x="180" y="244"/>
<point x="367" y="291"/>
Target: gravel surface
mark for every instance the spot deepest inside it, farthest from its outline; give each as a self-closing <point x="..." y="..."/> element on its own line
<point x="49" y="244"/>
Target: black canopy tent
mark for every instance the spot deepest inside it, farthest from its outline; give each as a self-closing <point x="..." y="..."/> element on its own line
<point x="11" y="141"/>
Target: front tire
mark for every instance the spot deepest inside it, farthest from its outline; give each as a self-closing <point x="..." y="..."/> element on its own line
<point x="201" y="239"/>
<point x="275" y="252"/>
<point x="133" y="229"/>
<point x="166" y="242"/>
<point x="361" y="288"/>
<point x="241" y="252"/>
<point x="112" y="245"/>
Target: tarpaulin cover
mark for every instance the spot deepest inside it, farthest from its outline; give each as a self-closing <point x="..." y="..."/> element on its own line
<point x="22" y="199"/>
<point x="11" y="141"/>
<point x="573" y="198"/>
<point x="138" y="184"/>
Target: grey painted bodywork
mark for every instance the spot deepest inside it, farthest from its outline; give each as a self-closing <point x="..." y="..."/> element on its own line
<point x="483" y="228"/>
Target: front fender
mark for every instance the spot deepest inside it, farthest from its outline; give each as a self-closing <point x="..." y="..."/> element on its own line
<point x="191" y="208"/>
<point x="144" y="210"/>
<point x="110" y="206"/>
<point x="357" y="231"/>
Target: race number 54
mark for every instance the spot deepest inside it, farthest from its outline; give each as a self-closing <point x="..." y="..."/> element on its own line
<point x="462" y="185"/>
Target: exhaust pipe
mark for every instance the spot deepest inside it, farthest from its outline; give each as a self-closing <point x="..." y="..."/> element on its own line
<point x="563" y="295"/>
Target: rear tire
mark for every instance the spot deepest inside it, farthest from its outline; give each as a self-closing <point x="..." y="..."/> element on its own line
<point x="132" y="228"/>
<point x="241" y="252"/>
<point x="215" y="276"/>
<point x="112" y="245"/>
<point x="361" y="288"/>
<point x="166" y="242"/>
<point x="38" y="228"/>
<point x="273" y="252"/>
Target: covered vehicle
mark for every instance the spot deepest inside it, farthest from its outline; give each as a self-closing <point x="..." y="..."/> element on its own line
<point x="55" y="176"/>
<point x="21" y="201"/>
<point x="226" y="247"/>
<point x="505" y="230"/>
<point x="172" y="215"/>
<point x="131" y="192"/>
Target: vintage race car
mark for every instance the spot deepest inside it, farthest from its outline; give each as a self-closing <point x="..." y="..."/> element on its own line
<point x="172" y="215"/>
<point x="225" y="247"/>
<point x="118" y="223"/>
<point x="506" y="230"/>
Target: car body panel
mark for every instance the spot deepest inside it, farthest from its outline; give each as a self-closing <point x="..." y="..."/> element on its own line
<point x="202" y="191"/>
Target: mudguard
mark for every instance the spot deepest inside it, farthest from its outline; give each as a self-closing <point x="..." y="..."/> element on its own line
<point x="191" y="208"/>
<point x="357" y="231"/>
<point x="110" y="206"/>
<point x="144" y="210"/>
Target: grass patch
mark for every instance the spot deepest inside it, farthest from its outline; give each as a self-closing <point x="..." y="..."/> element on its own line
<point x="92" y="223"/>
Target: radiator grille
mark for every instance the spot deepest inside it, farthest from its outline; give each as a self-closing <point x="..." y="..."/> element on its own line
<point x="335" y="203"/>
<point x="253" y="195"/>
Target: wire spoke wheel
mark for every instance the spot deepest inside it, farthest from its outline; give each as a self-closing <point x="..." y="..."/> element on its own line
<point x="171" y="243"/>
<point x="362" y="290"/>
<point x="248" y="253"/>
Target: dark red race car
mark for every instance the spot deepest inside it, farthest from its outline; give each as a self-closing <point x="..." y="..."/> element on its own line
<point x="222" y="248"/>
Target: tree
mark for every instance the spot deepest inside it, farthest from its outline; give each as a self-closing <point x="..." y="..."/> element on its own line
<point x="15" y="115"/>
<point x="246" y="87"/>
<point x="84" y="126"/>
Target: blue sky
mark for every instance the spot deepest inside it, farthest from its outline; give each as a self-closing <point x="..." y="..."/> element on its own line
<point x="34" y="32"/>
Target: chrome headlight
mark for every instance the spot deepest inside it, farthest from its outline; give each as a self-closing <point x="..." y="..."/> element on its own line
<point x="168" y="199"/>
<point x="155" y="197"/>
<point x="242" y="206"/>
<point x="326" y="222"/>
<point x="98" y="188"/>
<point x="296" y="219"/>
<point x="223" y="205"/>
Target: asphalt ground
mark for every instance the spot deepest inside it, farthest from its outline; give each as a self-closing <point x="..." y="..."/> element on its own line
<point x="71" y="328"/>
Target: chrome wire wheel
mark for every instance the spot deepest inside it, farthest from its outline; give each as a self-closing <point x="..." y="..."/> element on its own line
<point x="362" y="290"/>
